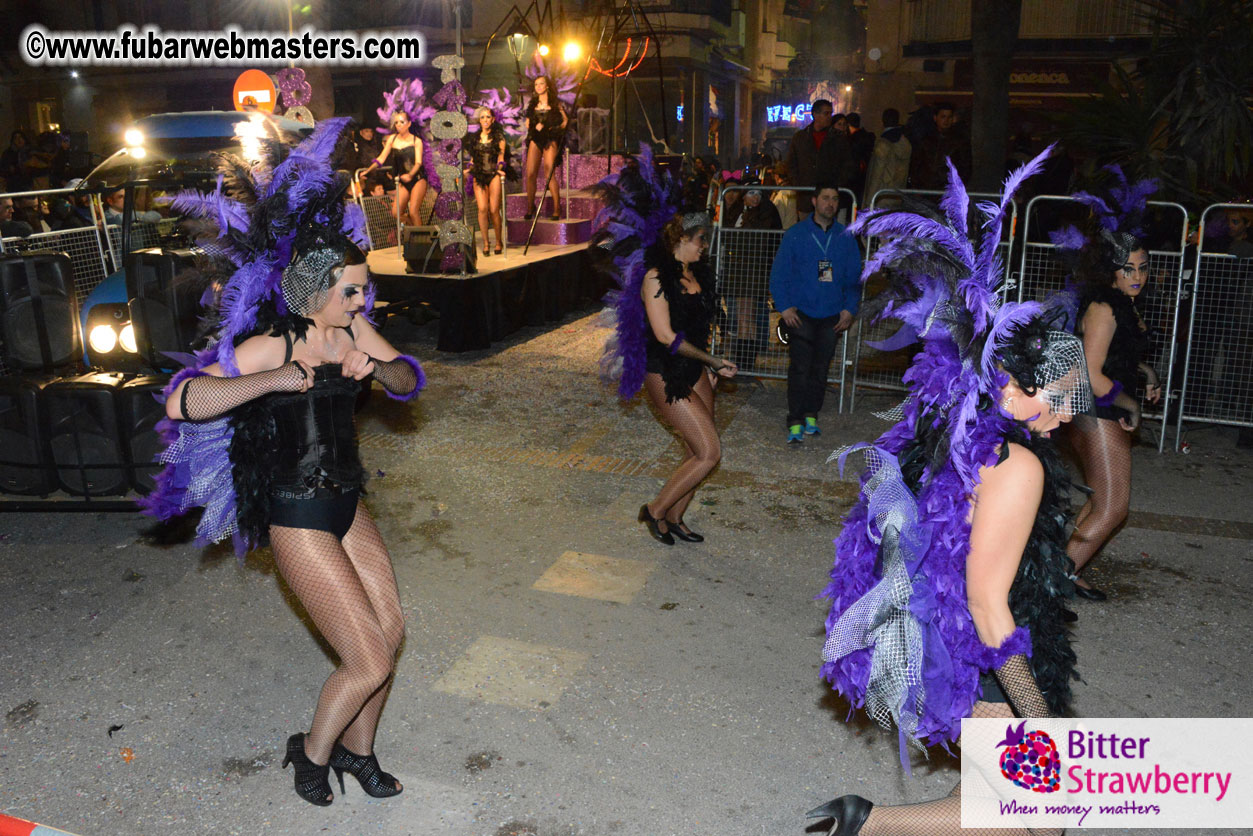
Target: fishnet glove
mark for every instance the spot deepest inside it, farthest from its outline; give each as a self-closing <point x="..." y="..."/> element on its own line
<point x="397" y="376"/>
<point x="209" y="396"/>
<point x="1018" y="683"/>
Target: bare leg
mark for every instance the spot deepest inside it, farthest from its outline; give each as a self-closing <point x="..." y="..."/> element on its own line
<point x="494" y="193"/>
<point x="319" y="570"/>
<point x="554" y="188"/>
<point x="402" y="201"/>
<point x="533" y="155"/>
<point x="416" y="196"/>
<point x="695" y="425"/>
<point x="1104" y="449"/>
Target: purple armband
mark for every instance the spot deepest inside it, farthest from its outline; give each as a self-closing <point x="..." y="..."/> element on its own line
<point x="419" y="375"/>
<point x="678" y="341"/>
<point x="1108" y="398"/>
<point x="992" y="658"/>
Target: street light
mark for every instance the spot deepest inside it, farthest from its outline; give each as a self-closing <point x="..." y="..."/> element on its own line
<point x="571" y="52"/>
<point x="543" y="50"/>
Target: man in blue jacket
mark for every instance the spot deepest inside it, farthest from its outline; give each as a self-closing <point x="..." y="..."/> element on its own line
<point x="814" y="282"/>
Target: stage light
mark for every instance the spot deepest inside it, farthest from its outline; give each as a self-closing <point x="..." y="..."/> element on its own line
<point x="73" y="73"/>
<point x="133" y="136"/>
<point x="571" y="52"/>
<point x="102" y="339"/>
<point x="138" y="152"/>
<point x="543" y="50"/>
<point x="126" y="339"/>
<point x="848" y="88"/>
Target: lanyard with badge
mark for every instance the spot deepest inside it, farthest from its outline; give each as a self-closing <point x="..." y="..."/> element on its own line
<point x="825" y="273"/>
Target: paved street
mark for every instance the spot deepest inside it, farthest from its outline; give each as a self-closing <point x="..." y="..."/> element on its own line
<point x="562" y="674"/>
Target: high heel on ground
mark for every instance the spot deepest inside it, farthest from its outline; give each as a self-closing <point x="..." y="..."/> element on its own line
<point x="679" y="529"/>
<point x="1088" y="593"/>
<point x="365" y="768"/>
<point x="653" y="529"/>
<point x="849" y="811"/>
<point x="311" y="779"/>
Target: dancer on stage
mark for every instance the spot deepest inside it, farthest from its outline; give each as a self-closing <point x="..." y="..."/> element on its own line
<point x="410" y="172"/>
<point x="489" y="166"/>
<point x="1112" y="265"/>
<point x="665" y="310"/>
<point x="950" y="574"/>
<point x="261" y="432"/>
<point x="546" y="121"/>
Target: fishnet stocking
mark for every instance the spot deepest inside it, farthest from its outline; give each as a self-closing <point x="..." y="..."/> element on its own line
<point x="943" y="815"/>
<point x="1104" y="450"/>
<point x="693" y="419"/>
<point x="209" y="396"/>
<point x="349" y="590"/>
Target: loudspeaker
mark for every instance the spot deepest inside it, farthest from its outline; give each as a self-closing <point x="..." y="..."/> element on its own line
<point x="25" y="460"/>
<point x="419" y="254"/>
<point x="38" y="317"/>
<point x="164" y="313"/>
<point x="83" y="434"/>
<point x="139" y="411"/>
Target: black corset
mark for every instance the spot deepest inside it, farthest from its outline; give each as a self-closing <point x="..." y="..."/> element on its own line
<point x="316" y="439"/>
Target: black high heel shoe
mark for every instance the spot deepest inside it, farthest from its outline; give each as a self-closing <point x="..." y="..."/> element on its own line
<point x="530" y="213"/>
<point x="1088" y="593"/>
<point x="657" y="534"/>
<point x="679" y="529"/>
<point x="311" y="779"/>
<point x="849" y="811"/>
<point x="365" y="768"/>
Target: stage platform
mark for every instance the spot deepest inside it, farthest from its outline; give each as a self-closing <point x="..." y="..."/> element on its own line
<point x="508" y="292"/>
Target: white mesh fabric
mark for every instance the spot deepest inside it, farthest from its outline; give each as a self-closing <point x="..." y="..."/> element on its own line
<point x="1063" y="376"/>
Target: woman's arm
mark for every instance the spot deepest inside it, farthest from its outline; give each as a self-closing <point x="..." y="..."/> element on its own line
<point x="261" y="371"/>
<point x="399" y="374"/>
<point x="500" y="156"/>
<point x="1152" y="385"/>
<point x="382" y="157"/>
<point x="1006" y="501"/>
<point x="658" y="310"/>
<point x="565" y="119"/>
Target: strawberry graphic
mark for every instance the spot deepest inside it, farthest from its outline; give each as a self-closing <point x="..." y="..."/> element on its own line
<point x="1030" y="759"/>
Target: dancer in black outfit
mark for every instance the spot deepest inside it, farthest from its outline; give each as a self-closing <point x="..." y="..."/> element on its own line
<point x="681" y="302"/>
<point x="410" y="172"/>
<point x="546" y="123"/>
<point x="1115" y="341"/>
<point x="489" y="166"/>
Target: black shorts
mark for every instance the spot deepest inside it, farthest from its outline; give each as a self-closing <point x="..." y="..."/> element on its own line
<point x="324" y="511"/>
<point x="991" y="688"/>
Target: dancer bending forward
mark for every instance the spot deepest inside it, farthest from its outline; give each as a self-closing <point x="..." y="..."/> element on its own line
<point x="950" y="573"/>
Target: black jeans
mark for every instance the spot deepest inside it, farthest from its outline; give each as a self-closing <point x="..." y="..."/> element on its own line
<point x="810" y="349"/>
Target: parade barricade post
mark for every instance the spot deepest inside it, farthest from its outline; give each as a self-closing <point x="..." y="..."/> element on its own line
<point x="883" y="370"/>
<point x="1217" y="370"/>
<point x="1041" y="275"/>
<point x="742" y="259"/>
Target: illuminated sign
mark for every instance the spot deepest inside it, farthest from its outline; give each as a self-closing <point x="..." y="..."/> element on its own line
<point x="779" y="114"/>
<point x="678" y="112"/>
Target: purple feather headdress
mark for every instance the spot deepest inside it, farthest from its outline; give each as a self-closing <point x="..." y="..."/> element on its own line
<point x="1117" y="222"/>
<point x="409" y="96"/>
<point x="260" y="213"/>
<point x="639" y="200"/>
<point x="509" y="115"/>
<point x="564" y="80"/>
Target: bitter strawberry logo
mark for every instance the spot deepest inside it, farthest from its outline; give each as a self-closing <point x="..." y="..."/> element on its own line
<point x="1030" y="759"/>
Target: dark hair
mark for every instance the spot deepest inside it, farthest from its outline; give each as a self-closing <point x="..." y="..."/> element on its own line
<point x="854" y="120"/>
<point x="549" y="90"/>
<point x="891" y="118"/>
<point x="672" y="233"/>
<point x="819" y="104"/>
<point x="1106" y="252"/>
<point x="826" y="183"/>
<point x="19" y="132"/>
<point x="838" y="116"/>
<point x="938" y="106"/>
<point x="1023" y="355"/>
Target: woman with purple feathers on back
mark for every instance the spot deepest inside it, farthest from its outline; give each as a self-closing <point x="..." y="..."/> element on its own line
<point x="950" y="579"/>
<point x="664" y="311"/>
<point x="261" y="434"/>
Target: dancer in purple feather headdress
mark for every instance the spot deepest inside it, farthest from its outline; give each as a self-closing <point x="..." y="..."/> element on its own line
<point x="546" y="121"/>
<point x="261" y="429"/>
<point x="1111" y="262"/>
<point x="405" y="148"/>
<point x="663" y="310"/>
<point x="489" y="166"/>
<point x="950" y="573"/>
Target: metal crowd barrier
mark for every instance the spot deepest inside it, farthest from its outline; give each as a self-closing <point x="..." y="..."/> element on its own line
<point x="749" y="332"/>
<point x="883" y="370"/>
<point x="1217" y="372"/>
<point x="1041" y="275"/>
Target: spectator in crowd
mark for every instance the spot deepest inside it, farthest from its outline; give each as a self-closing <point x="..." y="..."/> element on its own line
<point x="31" y="210"/>
<point x="861" y="144"/>
<point x="113" y="206"/>
<point x="1238" y="232"/>
<point x="9" y="226"/>
<point x="889" y="161"/>
<point x="928" y="167"/>
<point x="784" y="199"/>
<point x="696" y="187"/>
<point x="365" y="147"/>
<point x="59" y="169"/>
<point x="14" y="163"/>
<point x="61" y="214"/>
<point x="818" y="152"/>
<point x="746" y="274"/>
<point x="814" y="282"/>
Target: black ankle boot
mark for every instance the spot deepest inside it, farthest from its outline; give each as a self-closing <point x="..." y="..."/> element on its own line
<point x="365" y="768"/>
<point x="311" y="779"/>
<point x="849" y="811"/>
